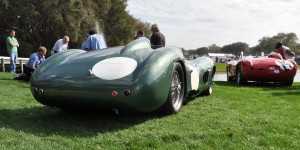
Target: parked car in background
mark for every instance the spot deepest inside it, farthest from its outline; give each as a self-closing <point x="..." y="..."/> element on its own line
<point x="269" y="69"/>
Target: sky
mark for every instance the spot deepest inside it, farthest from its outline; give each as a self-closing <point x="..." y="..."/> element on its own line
<point x="191" y="24"/>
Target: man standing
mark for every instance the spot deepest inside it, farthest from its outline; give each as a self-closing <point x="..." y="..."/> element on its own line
<point x="284" y="51"/>
<point x="157" y="39"/>
<point x="60" y="45"/>
<point x="12" y="49"/>
<point x="94" y="41"/>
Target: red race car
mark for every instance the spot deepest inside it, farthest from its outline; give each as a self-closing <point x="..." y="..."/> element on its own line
<point x="270" y="69"/>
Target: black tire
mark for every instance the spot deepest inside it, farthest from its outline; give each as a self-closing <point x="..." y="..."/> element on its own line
<point x="176" y="92"/>
<point x="240" y="80"/>
<point x="229" y="79"/>
<point x="210" y="89"/>
<point x="287" y="83"/>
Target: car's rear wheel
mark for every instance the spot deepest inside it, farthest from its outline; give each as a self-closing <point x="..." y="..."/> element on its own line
<point x="210" y="89"/>
<point x="176" y="92"/>
<point x="287" y="83"/>
<point x="239" y="76"/>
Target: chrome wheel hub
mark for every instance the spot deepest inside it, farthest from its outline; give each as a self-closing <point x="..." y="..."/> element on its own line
<point x="176" y="89"/>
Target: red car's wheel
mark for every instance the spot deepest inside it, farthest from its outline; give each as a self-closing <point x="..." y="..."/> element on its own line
<point x="287" y="83"/>
<point x="228" y="77"/>
<point x="239" y="76"/>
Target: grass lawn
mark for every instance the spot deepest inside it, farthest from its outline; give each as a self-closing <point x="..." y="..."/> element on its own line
<point x="221" y="67"/>
<point x="255" y="116"/>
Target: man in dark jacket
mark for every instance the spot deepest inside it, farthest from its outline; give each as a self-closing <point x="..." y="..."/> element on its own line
<point x="157" y="39"/>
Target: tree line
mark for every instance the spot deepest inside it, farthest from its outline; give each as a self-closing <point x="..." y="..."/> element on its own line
<point x="265" y="44"/>
<point x="43" y="22"/>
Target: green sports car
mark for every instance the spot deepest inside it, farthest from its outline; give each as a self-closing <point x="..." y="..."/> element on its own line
<point x="124" y="79"/>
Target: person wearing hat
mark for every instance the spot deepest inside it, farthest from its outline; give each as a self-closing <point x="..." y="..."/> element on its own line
<point x="284" y="51"/>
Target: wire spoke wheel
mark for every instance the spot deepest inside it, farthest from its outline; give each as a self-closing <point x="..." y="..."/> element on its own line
<point x="176" y="89"/>
<point x="175" y="98"/>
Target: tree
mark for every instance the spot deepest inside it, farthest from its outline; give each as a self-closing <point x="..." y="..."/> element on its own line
<point x="202" y="51"/>
<point x="235" y="48"/>
<point x="144" y="26"/>
<point x="214" y="48"/>
<point x="118" y="20"/>
<point x="267" y="44"/>
<point x="43" y="22"/>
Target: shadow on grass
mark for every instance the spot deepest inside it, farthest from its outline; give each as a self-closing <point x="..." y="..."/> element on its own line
<point x="277" y="89"/>
<point x="296" y="93"/>
<point x="270" y="85"/>
<point x="248" y="84"/>
<point x="6" y="79"/>
<point x="12" y="79"/>
<point x="50" y="121"/>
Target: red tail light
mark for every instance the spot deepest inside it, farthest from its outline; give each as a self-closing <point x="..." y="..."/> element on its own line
<point x="114" y="93"/>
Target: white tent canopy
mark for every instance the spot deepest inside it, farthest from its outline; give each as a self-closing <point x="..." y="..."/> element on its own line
<point x="220" y="55"/>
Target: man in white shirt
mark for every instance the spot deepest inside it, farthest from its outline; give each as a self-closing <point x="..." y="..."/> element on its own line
<point x="60" y="45"/>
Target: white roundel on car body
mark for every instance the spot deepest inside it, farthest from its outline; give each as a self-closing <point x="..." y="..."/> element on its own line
<point x="114" y="68"/>
<point x="284" y="64"/>
<point x="194" y="77"/>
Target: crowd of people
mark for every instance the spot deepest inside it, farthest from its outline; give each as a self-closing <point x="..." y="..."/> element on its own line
<point x="94" y="41"/>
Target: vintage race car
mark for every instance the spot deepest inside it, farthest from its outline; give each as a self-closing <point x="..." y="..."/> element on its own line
<point x="270" y="69"/>
<point x="126" y="79"/>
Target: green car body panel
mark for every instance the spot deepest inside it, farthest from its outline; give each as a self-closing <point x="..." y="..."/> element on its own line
<point x="77" y="79"/>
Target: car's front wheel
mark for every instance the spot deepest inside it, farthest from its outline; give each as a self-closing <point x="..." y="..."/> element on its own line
<point x="229" y="78"/>
<point x="239" y="76"/>
<point x="287" y="83"/>
<point x="176" y="92"/>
